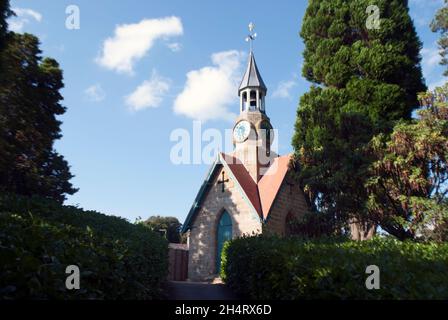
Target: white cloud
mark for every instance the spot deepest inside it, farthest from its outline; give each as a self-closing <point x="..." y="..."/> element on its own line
<point x="95" y="93"/>
<point x="209" y="91"/>
<point x="22" y="18"/>
<point x="131" y="42"/>
<point x="284" y="89"/>
<point x="174" y="46"/>
<point x="149" y="94"/>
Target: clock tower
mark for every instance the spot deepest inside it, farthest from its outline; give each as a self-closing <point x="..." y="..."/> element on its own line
<point x="252" y="133"/>
<point x="250" y="191"/>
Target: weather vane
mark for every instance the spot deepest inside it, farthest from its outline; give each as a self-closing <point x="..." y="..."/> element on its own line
<point x="252" y="36"/>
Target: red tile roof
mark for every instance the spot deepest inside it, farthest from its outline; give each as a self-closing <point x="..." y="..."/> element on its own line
<point x="269" y="185"/>
<point x="263" y="194"/>
<point x="245" y="181"/>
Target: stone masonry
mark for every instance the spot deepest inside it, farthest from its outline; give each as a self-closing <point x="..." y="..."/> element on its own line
<point x="203" y="232"/>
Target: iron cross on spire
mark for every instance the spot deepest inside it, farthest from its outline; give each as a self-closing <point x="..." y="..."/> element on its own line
<point x="252" y="36"/>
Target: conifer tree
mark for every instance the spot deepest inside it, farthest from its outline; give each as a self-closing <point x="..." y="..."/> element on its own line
<point x="5" y="13"/>
<point x="365" y="78"/>
<point x="30" y="102"/>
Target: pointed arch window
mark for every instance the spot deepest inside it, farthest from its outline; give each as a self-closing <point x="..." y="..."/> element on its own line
<point x="223" y="234"/>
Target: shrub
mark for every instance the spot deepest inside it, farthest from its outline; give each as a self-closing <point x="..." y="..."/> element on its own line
<point x="278" y="268"/>
<point x="315" y="225"/>
<point x="40" y="238"/>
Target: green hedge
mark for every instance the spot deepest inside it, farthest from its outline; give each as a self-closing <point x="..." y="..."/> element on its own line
<point x="40" y="238"/>
<point x="275" y="268"/>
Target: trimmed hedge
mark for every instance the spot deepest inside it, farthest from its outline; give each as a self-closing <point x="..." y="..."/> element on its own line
<point x="278" y="268"/>
<point x="40" y="238"/>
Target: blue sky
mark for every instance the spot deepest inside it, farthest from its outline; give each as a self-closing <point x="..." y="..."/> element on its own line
<point x="125" y="96"/>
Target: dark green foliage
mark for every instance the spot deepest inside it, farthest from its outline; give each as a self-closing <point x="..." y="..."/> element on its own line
<point x="29" y="106"/>
<point x="365" y="80"/>
<point x="314" y="225"/>
<point x="408" y="187"/>
<point x="167" y="226"/>
<point x="276" y="268"/>
<point x="440" y="24"/>
<point x="39" y="238"/>
<point x="5" y="13"/>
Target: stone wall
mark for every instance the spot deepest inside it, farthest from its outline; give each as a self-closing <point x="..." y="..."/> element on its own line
<point x="290" y="199"/>
<point x="203" y="237"/>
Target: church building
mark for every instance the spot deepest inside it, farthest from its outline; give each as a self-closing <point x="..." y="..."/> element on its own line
<point x="246" y="192"/>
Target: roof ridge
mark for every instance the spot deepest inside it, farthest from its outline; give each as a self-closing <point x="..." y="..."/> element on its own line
<point x="273" y="183"/>
<point x="256" y="203"/>
<point x="259" y="194"/>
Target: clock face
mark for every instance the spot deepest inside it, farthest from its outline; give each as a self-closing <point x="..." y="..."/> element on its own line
<point x="241" y="131"/>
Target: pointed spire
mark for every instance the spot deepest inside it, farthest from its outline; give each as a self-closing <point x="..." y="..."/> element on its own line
<point x="252" y="77"/>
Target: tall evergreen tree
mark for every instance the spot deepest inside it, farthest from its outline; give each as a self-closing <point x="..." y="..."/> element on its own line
<point x="29" y="106"/>
<point x="364" y="80"/>
<point x="440" y="24"/>
<point x="5" y="13"/>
